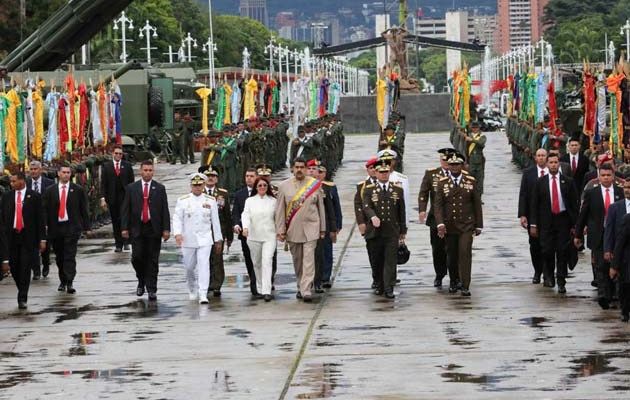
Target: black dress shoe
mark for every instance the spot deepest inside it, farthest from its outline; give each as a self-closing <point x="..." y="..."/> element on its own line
<point x="594" y="283"/>
<point x="549" y="283"/>
<point x="326" y="285"/>
<point x="45" y="271"/>
<point x="152" y="296"/>
<point x="604" y="303"/>
<point x="397" y="281"/>
<point x="465" y="292"/>
<point x="561" y="288"/>
<point x="268" y="297"/>
<point x="70" y="289"/>
<point x="307" y="298"/>
<point x="118" y="250"/>
<point x="437" y="283"/>
<point x="298" y="295"/>
<point x="625" y="317"/>
<point x="62" y="287"/>
<point x="258" y="296"/>
<point x="390" y="294"/>
<point x="453" y="289"/>
<point x="374" y="285"/>
<point x="318" y="289"/>
<point x="126" y="247"/>
<point x="22" y="305"/>
<point x="536" y="279"/>
<point x="273" y="288"/>
<point x="36" y="277"/>
<point x="378" y="292"/>
<point x="140" y="291"/>
<point x="216" y="293"/>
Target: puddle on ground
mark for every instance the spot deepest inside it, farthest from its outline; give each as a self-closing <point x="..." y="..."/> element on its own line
<point x="10" y="379"/>
<point x="534" y="322"/>
<point x="241" y="333"/>
<point x="616" y="337"/>
<point x="320" y="379"/>
<point x="81" y="342"/>
<point x="147" y="309"/>
<point x="288" y="347"/>
<point x="457" y="339"/>
<point x="465" y="378"/>
<point x="594" y="364"/>
<point x="134" y="373"/>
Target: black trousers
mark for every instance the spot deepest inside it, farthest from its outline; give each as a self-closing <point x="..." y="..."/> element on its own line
<point x="249" y="265"/>
<point x="554" y="241"/>
<point x="624" y="297"/>
<point x="535" y="252"/>
<point x="438" y="248"/>
<point x="605" y="285"/>
<point x="145" y="257"/>
<point x="20" y="262"/>
<point x="384" y="254"/>
<point x="45" y="260"/>
<point x="114" y="212"/>
<point x="65" y="248"/>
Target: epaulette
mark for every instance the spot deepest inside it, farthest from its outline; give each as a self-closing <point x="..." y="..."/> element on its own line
<point x="401" y="176"/>
<point x="398" y="185"/>
<point x="184" y="196"/>
<point x="328" y="183"/>
<point x="433" y="169"/>
<point x="222" y="190"/>
<point x="369" y="186"/>
<point x="444" y="178"/>
<point x="470" y="177"/>
<point x="208" y="196"/>
<point x="360" y="183"/>
<point x="465" y="172"/>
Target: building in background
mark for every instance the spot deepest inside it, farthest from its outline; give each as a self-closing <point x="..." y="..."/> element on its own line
<point x="255" y="9"/>
<point x="519" y="23"/>
<point x="478" y="27"/>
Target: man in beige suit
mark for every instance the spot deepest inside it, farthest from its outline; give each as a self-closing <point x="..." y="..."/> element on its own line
<point x="300" y="220"/>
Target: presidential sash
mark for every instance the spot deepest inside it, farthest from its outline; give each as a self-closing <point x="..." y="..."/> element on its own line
<point x="309" y="188"/>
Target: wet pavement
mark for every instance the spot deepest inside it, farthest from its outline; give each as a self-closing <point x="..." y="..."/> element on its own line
<point x="511" y="339"/>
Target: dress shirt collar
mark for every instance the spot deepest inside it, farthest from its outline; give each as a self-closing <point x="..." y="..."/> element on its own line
<point x="61" y="185"/>
<point x="22" y="193"/>
<point x="145" y="182"/>
<point x="538" y="169"/>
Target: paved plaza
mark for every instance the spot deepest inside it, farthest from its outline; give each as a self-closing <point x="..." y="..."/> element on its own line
<point x="511" y="339"/>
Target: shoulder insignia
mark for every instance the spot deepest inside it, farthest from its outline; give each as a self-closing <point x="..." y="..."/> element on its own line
<point x="184" y="196"/>
<point x="398" y="185"/>
<point x="222" y="190"/>
<point x="360" y="183"/>
<point x="470" y="177"/>
<point x="444" y="178"/>
<point x="207" y="196"/>
<point x="433" y="169"/>
<point x="370" y="186"/>
<point x="465" y="172"/>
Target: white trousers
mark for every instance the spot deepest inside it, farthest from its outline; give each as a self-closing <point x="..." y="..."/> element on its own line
<point x="197" y="262"/>
<point x="262" y="258"/>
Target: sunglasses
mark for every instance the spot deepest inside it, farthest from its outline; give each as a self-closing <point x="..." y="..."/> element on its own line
<point x="262" y="186"/>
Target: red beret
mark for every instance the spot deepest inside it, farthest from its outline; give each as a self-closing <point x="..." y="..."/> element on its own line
<point x="602" y="158"/>
<point x="371" y="162"/>
<point x="312" y="163"/>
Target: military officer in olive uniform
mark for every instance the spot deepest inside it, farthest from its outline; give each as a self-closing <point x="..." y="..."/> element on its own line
<point x="426" y="195"/>
<point x="179" y="140"/>
<point x="384" y="207"/>
<point x="222" y="197"/>
<point x="475" y="142"/>
<point x="458" y="217"/>
<point x="359" y="213"/>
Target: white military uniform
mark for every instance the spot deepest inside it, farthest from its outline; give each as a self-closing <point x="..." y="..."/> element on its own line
<point x="402" y="180"/>
<point x="196" y="218"/>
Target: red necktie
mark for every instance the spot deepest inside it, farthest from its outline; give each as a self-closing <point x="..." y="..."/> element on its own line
<point x="19" y="223"/>
<point x="62" y="203"/>
<point x="145" y="204"/>
<point x="606" y="202"/>
<point x="555" y="199"/>
<point x="573" y="165"/>
<point x="542" y="173"/>
<point x="117" y="168"/>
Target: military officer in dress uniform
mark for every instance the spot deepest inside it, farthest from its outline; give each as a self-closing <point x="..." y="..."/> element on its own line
<point x="396" y="177"/>
<point x="222" y="197"/>
<point x="458" y="217"/>
<point x="384" y="207"/>
<point x="197" y="229"/>
<point x="426" y="195"/>
<point x="359" y="214"/>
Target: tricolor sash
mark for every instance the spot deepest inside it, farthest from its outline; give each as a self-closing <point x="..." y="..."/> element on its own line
<point x="310" y="187"/>
<point x="472" y="146"/>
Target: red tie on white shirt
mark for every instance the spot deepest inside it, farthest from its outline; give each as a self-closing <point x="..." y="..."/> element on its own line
<point x="542" y="173"/>
<point x="555" y="198"/>
<point x="117" y="169"/>
<point x="573" y="165"/>
<point x="62" y="203"/>
<point x="145" y="204"/>
<point x="19" y="223"/>
<point x="606" y="202"/>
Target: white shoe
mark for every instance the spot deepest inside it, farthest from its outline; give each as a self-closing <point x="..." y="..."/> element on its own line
<point x="203" y="300"/>
<point x="192" y="296"/>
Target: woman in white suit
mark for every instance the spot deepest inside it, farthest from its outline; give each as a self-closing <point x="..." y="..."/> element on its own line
<point x="259" y="228"/>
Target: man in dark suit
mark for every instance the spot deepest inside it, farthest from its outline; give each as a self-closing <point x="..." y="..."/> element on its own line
<point x="146" y="220"/>
<point x="552" y="216"/>
<point x="22" y="231"/>
<point x="578" y="163"/>
<point x="239" y="204"/>
<point x="614" y="218"/>
<point x="115" y="176"/>
<point x="595" y="206"/>
<point x="39" y="183"/>
<point x="621" y="265"/>
<point x="66" y="216"/>
<point x="528" y="183"/>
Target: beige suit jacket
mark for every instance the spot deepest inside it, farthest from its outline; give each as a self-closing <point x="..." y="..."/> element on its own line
<point x="309" y="221"/>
